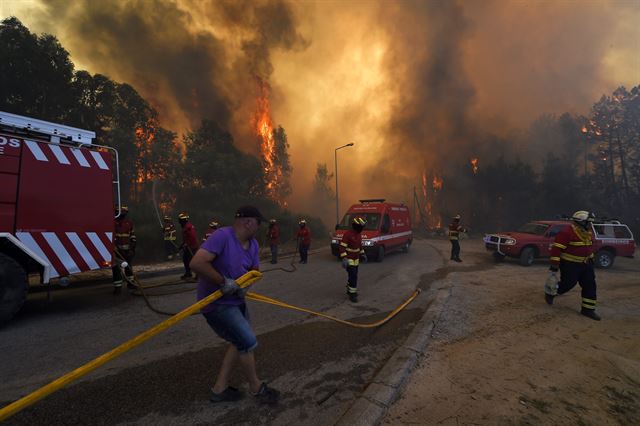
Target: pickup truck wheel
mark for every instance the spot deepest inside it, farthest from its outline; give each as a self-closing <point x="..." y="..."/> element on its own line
<point x="527" y="256"/>
<point x="498" y="257"/>
<point x="13" y="287"/>
<point x="380" y="255"/>
<point x="604" y="259"/>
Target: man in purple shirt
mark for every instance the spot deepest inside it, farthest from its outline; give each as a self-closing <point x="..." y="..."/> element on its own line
<point x="227" y="254"/>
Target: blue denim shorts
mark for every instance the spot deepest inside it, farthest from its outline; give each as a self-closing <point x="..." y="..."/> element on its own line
<point x="231" y="322"/>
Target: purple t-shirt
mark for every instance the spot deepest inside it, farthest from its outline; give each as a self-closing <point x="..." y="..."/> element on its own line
<point x="232" y="261"/>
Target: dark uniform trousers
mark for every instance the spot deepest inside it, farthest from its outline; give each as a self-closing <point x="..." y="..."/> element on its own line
<point x="572" y="273"/>
<point x="352" y="279"/>
<point x="455" y="249"/>
<point x="127" y="256"/>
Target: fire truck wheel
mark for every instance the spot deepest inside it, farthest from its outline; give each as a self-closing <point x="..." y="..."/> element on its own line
<point x="604" y="259"/>
<point x="13" y="287"/>
<point x="527" y="255"/>
<point x="380" y="255"/>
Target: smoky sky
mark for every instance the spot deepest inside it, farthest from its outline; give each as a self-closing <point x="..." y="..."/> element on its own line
<point x="419" y="86"/>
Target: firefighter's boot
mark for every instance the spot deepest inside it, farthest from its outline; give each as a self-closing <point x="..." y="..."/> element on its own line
<point x="590" y="313"/>
<point x="353" y="297"/>
<point x="117" y="288"/>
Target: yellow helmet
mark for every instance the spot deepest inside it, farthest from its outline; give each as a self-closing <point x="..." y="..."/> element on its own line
<point x="457" y="217"/>
<point x="183" y="216"/>
<point x="359" y="221"/>
<point x="302" y="221"/>
<point x="213" y="224"/>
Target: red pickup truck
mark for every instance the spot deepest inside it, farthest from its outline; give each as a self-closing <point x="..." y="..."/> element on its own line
<point x="533" y="240"/>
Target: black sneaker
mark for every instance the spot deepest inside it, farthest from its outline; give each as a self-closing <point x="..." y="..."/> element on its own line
<point x="267" y="395"/>
<point x="230" y="394"/>
<point x="590" y="313"/>
<point x="548" y="298"/>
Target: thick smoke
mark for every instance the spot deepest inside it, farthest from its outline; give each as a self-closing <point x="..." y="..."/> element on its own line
<point x="417" y="85"/>
<point x="190" y="59"/>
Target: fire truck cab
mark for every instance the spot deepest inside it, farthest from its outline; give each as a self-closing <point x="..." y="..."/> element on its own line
<point x="388" y="227"/>
<point x="56" y="205"/>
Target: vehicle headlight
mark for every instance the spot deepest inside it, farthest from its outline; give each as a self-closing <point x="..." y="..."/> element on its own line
<point x="367" y="243"/>
<point x="509" y="242"/>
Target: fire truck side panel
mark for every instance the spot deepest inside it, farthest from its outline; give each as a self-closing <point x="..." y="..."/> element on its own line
<point x="65" y="205"/>
<point x="9" y="168"/>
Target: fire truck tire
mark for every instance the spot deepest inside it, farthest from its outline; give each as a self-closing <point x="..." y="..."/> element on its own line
<point x="380" y="254"/>
<point x="13" y="287"/>
<point x="527" y="256"/>
<point x="604" y="259"/>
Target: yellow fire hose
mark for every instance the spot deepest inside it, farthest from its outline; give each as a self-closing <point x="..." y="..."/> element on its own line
<point x="247" y="279"/>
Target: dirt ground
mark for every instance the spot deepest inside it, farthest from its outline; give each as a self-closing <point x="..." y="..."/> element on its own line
<point x="500" y="355"/>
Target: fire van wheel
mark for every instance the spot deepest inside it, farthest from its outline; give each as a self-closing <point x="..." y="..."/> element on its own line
<point x="380" y="254"/>
<point x="13" y="287"/>
<point x="604" y="259"/>
<point x="527" y="255"/>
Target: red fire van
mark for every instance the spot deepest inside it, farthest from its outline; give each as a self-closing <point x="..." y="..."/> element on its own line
<point x="388" y="227"/>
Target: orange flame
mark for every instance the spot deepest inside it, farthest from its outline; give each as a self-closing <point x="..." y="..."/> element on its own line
<point x="144" y="137"/>
<point x="437" y="183"/>
<point x="474" y="165"/>
<point x="263" y="126"/>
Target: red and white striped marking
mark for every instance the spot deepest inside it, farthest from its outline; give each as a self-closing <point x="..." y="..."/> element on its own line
<point x="70" y="252"/>
<point x="65" y="155"/>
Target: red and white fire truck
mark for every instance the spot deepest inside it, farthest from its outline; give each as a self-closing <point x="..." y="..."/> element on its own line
<point x="388" y="227"/>
<point x="56" y="205"/>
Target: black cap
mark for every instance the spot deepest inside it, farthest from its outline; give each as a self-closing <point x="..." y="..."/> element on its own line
<point x="249" y="211"/>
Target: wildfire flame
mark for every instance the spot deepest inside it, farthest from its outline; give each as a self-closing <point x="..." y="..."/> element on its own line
<point x="437" y="183"/>
<point x="263" y="126"/>
<point x="144" y="137"/>
<point x="474" y="165"/>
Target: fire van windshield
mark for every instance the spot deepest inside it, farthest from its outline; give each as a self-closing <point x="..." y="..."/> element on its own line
<point x="373" y="221"/>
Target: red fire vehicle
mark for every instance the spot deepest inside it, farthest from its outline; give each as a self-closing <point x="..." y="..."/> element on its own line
<point x="388" y="227"/>
<point x="56" y="205"/>
<point x="533" y="240"/>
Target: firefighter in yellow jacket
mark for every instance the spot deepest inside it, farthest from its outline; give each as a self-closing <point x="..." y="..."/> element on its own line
<point x="572" y="254"/>
<point x="169" y="232"/>
<point x="350" y="252"/>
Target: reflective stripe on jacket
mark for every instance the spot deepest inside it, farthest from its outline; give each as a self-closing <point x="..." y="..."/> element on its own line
<point x="572" y="244"/>
<point x="351" y="247"/>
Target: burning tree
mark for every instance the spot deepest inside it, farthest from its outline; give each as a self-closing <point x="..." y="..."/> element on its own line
<point x="273" y="148"/>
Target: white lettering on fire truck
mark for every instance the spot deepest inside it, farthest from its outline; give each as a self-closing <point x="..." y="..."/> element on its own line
<point x="13" y="143"/>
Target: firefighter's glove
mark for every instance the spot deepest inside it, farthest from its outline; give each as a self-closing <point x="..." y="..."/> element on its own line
<point x="551" y="285"/>
<point x="230" y="286"/>
<point x="553" y="268"/>
<point x="345" y="262"/>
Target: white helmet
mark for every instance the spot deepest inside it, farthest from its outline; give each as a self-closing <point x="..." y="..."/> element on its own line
<point x="583" y="217"/>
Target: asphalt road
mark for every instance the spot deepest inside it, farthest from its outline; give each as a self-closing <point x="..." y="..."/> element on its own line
<point x="319" y="366"/>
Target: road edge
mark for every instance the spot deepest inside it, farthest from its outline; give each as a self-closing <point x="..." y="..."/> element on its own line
<point x="385" y="388"/>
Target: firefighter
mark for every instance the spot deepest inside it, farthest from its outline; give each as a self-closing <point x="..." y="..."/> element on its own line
<point x="273" y="235"/>
<point x="125" y="245"/>
<point x="169" y="232"/>
<point x="454" y="236"/>
<point x="572" y="254"/>
<point x="189" y="244"/>
<point x="213" y="227"/>
<point x="350" y="252"/>
<point x="303" y="237"/>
